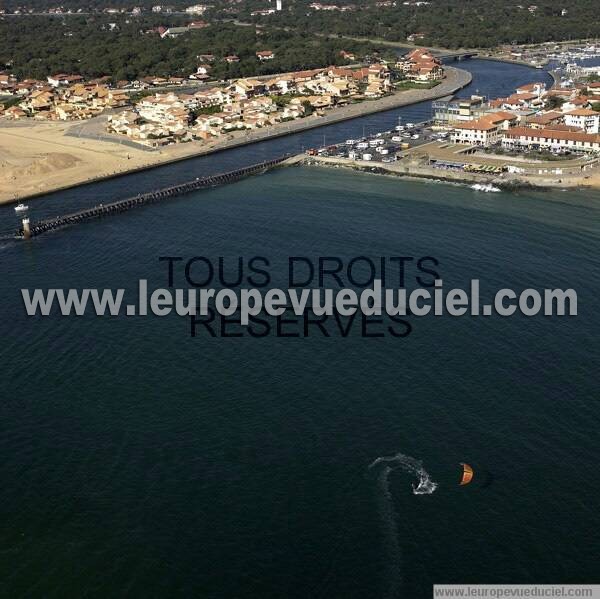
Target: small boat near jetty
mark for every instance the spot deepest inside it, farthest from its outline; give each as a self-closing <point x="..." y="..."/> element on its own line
<point x="21" y="208"/>
<point x="487" y="187"/>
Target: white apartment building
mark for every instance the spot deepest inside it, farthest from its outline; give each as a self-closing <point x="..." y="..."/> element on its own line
<point x="585" y="119"/>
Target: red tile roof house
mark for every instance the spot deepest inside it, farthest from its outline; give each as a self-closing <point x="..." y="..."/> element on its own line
<point x="578" y="102"/>
<point x="532" y="88"/>
<point x="584" y="119"/>
<point x="265" y="55"/>
<point x="203" y="69"/>
<point x="521" y="100"/>
<point x="62" y="79"/>
<point x="6" y="79"/>
<point x="172" y="32"/>
<point x="480" y="132"/>
<point x="232" y="58"/>
<point x="421" y="65"/>
<point x="541" y="120"/>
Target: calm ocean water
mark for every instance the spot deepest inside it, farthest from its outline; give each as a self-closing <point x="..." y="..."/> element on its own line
<point x="141" y="462"/>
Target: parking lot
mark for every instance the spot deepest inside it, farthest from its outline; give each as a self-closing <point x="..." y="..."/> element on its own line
<point x="385" y="146"/>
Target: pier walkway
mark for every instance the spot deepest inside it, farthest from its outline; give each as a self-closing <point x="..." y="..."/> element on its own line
<point x="42" y="226"/>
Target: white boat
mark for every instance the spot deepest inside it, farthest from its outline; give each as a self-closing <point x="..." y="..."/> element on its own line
<point x="487" y="187"/>
<point x="21" y="208"/>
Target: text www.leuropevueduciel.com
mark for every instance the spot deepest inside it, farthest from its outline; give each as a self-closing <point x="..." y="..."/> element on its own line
<point x="250" y="302"/>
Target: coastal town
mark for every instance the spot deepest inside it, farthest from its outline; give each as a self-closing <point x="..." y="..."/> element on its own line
<point x="171" y="116"/>
<point x="564" y="117"/>
<point x="540" y="135"/>
<point x="559" y="119"/>
<point x="105" y="126"/>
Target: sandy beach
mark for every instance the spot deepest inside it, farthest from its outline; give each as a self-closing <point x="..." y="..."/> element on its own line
<point x="39" y="157"/>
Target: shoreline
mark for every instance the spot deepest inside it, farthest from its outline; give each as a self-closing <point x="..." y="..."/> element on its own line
<point x="522" y="63"/>
<point x="408" y="170"/>
<point x="455" y="80"/>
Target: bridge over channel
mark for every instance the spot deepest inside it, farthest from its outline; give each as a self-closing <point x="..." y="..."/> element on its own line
<point x="458" y="55"/>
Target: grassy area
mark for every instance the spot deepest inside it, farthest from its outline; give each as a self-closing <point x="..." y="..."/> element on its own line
<point x="403" y="85"/>
<point x="137" y="96"/>
<point x="9" y="101"/>
<point x="207" y="110"/>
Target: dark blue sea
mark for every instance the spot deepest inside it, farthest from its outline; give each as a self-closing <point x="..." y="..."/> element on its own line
<point x="139" y="461"/>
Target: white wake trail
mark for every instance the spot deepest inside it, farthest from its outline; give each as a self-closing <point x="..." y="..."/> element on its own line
<point x="425" y="486"/>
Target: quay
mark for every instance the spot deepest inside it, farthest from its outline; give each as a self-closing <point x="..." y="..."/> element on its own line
<point x="32" y="229"/>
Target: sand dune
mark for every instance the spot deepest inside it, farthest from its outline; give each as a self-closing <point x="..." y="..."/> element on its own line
<point x="39" y="157"/>
<point x="44" y="165"/>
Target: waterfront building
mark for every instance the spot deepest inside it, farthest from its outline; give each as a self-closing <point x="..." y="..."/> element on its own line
<point x="481" y="132"/>
<point x="526" y="138"/>
<point x="585" y="119"/>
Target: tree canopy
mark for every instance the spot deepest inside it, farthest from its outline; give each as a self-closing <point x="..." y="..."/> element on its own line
<point x="37" y="46"/>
